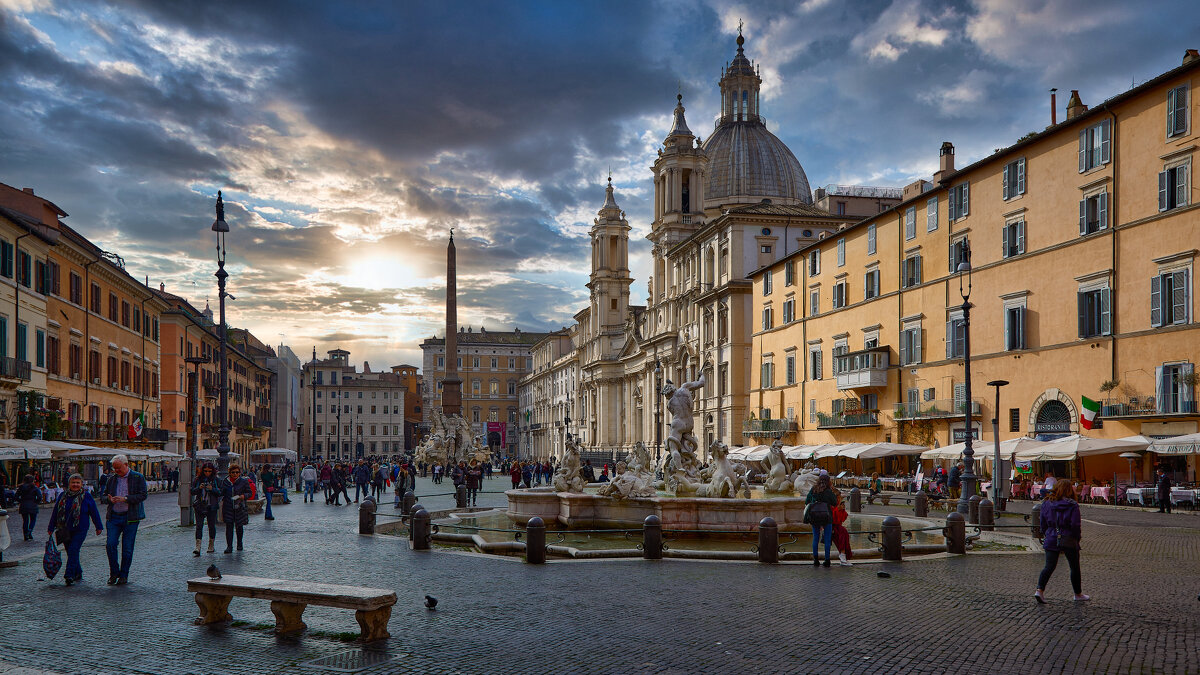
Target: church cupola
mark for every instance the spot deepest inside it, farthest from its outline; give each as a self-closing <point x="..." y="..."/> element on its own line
<point x="680" y="133"/>
<point x="739" y="88"/>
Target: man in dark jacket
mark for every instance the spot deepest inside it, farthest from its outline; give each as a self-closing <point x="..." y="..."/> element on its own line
<point x="28" y="496"/>
<point x="955" y="483"/>
<point x="1163" y="483"/>
<point x="362" y="476"/>
<point x="124" y="493"/>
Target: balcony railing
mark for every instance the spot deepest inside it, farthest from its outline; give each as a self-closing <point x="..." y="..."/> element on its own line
<point x="857" y="418"/>
<point x="96" y="431"/>
<point x="769" y="427"/>
<point x="863" y="369"/>
<point x="939" y="408"/>
<point x="14" y="369"/>
<point x="1146" y="406"/>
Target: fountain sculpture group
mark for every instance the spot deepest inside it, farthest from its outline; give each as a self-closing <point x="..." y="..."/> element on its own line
<point x="449" y="442"/>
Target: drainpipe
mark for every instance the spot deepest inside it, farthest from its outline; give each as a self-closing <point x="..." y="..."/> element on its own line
<point x="1112" y="374"/>
<point x="87" y="335"/>
<point x="142" y="323"/>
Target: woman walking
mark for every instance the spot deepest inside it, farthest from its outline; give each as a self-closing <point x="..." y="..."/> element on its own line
<point x="514" y="472"/>
<point x="206" y="499"/>
<point x="1061" y="530"/>
<point x="841" y="537"/>
<point x="28" y="496"/>
<point x="821" y="500"/>
<point x="72" y="511"/>
<point x="235" y="490"/>
<point x="474" y="481"/>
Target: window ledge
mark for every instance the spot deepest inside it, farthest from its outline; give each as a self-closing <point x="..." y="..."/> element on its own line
<point x="1178" y="153"/>
<point x="1095" y="183"/>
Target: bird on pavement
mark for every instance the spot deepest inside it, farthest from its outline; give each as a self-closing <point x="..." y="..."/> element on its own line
<point x="430" y="602"/>
<point x="213" y="572"/>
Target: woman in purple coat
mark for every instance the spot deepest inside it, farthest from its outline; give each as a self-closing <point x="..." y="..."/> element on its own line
<point x="1060" y="525"/>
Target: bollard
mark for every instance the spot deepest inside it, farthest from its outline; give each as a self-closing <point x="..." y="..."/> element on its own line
<point x="416" y="507"/>
<point x="855" y="500"/>
<point x="5" y="538"/>
<point x="366" y="515"/>
<point x="1035" y="521"/>
<point x="973" y="510"/>
<point x="535" y="541"/>
<point x="768" y="541"/>
<point x="187" y="517"/>
<point x="987" y="515"/>
<point x="921" y="505"/>
<point x="418" y="532"/>
<point x="460" y="496"/>
<point x="891" y="538"/>
<point x="407" y="502"/>
<point x="652" y="538"/>
<point x="956" y="533"/>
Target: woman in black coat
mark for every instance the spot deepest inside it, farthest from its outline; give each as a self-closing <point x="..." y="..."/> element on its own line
<point x="235" y="490"/>
<point x="206" y="500"/>
<point x="28" y="496"/>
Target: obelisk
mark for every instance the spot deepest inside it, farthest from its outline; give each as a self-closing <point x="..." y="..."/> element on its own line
<point x="451" y="385"/>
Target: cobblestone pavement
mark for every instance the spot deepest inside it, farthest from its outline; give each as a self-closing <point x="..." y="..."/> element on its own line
<point x="969" y="613"/>
<point x="161" y="507"/>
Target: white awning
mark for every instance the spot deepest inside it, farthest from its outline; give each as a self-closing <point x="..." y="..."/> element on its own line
<point x="835" y="450"/>
<point x="984" y="450"/>
<point x="9" y="454"/>
<point x="282" y="452"/>
<point x="211" y="453"/>
<point x="1075" y="446"/>
<point x="1177" y="445"/>
<point x="878" y="450"/>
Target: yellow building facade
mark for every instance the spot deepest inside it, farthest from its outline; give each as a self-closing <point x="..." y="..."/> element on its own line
<point x="1082" y="243"/>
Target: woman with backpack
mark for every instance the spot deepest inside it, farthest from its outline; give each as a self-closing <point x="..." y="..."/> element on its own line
<point x="1061" y="530"/>
<point x="821" y="501"/>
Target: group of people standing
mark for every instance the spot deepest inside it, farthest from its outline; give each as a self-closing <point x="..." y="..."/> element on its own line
<point x="373" y="479"/>
<point x="223" y="499"/>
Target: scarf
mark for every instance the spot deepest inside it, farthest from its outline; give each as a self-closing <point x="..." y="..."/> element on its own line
<point x="73" y="505"/>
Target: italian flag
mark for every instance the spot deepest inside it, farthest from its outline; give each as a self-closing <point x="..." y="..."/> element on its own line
<point x="135" y="429"/>
<point x="1088" y="415"/>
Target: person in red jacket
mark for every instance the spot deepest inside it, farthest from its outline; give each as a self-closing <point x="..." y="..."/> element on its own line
<point x="514" y="472"/>
<point x="841" y="537"/>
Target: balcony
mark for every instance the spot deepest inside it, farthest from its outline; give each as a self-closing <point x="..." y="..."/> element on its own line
<point x="848" y="419"/>
<point x="96" y="431"/>
<point x="1146" y="406"/>
<point x="864" y="369"/>
<point x="769" y="427"/>
<point x="936" y="409"/>
<point x="13" y="372"/>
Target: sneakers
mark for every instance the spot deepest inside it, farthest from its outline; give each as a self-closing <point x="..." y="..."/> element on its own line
<point x="112" y="580"/>
<point x="1037" y="595"/>
<point x="1080" y="597"/>
<point x="826" y="563"/>
<point x="842" y="560"/>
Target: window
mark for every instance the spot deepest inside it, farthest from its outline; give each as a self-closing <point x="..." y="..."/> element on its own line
<point x="767" y="282"/>
<point x="24" y="269"/>
<point x="76" y="289"/>
<point x="1014" y="238"/>
<point x="1174" y="393"/>
<point x="1014" y="419"/>
<point x="814" y="302"/>
<point x="931" y="214"/>
<point x="959" y="198"/>
<point x="839" y="349"/>
<point x="871" y="284"/>
<point x="841" y="208"/>
<point x="1177" y="111"/>
<point x="512" y="363"/>
<point x="113" y="307"/>
<point x="958" y="253"/>
<point x="789" y="310"/>
<point x="6" y="258"/>
<point x="475" y="415"/>
<point x="869" y="402"/>
<point x="791" y="369"/>
<point x="910" y="223"/>
<point x="910" y="345"/>
<point x="1014" y="328"/>
<point x="493" y="387"/>
<point x="1169" y="299"/>
<point x="495" y="363"/>
<point x="1095" y="312"/>
<point x="841" y="252"/>
<point x="1013" y="182"/>
<point x="52" y="355"/>
<point x="814" y="363"/>
<point x="767" y="375"/>
<point x="766" y="318"/>
<point x="318" y="410"/>
<point x="475" y="387"/>
<point x="871" y="239"/>
<point x="475" y="362"/>
<point x="1093" y="213"/>
<point x="789" y="273"/>
<point x="96" y="299"/>
<point x="22" y="348"/>
<point x="814" y="262"/>
<point x="39" y="346"/>
<point x="441" y="362"/>
<point x="512" y="388"/>
<point x="839" y="294"/>
<point x="956" y="336"/>
<point x="1094" y="146"/>
<point x="912" y="270"/>
<point x="1172" y="187"/>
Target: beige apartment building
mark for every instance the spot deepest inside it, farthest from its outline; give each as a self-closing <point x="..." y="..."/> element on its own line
<point x="1082" y="242"/>
<point x="547" y="396"/>
<point x="351" y="415"/>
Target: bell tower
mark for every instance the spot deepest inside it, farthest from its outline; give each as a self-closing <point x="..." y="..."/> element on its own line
<point x="680" y="174"/>
<point x="739" y="88"/>
<point x="610" y="279"/>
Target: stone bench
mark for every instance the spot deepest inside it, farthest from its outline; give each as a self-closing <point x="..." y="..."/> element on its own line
<point x="885" y="499"/>
<point x="373" y="606"/>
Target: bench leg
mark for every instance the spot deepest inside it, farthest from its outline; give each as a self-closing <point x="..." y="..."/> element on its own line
<point x="373" y="624"/>
<point x="213" y="608"/>
<point x="287" y="616"/>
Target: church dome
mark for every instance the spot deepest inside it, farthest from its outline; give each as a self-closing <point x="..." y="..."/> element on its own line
<point x="747" y="163"/>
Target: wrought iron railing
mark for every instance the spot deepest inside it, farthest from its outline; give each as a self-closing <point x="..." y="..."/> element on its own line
<point x="932" y="409"/>
<point x="858" y="418"/>
<point x="766" y="427"/>
<point x="1145" y="406"/>
<point x="14" y="368"/>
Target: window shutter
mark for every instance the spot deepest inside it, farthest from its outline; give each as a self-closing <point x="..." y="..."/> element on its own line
<point x="1162" y="381"/>
<point x="1102" y="210"/>
<point x="1181" y="109"/>
<point x="950" y="339"/>
<point x="964" y="209"/>
<point x="1004" y="182"/>
<point x="1104" y="141"/>
<point x="1179" y="299"/>
<point x="1004" y="238"/>
<point x="876" y="283"/>
<point x="916" y="350"/>
<point x="905" y="339"/>
<point x="1156" y="301"/>
<point x="951" y="207"/>
<point x="1083" y="150"/>
<point x="1106" y="311"/>
<point x="1162" y="190"/>
<point x="1009" y="328"/>
<point x="1081" y="300"/>
<point x="818" y="363"/>
<point x="1021" y="176"/>
<point x="1020" y="328"/>
<point x="1171" y="96"/>
<point x="917" y="276"/>
<point x="1185" y="390"/>
<point x="1181" y="173"/>
<point x="1082" y="217"/>
<point x="1020" y="237"/>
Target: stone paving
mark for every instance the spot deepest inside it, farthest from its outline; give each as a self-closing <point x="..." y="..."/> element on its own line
<point x="969" y="613"/>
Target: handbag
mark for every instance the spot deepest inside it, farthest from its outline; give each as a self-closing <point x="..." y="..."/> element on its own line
<point x="52" y="560"/>
<point x="1064" y="536"/>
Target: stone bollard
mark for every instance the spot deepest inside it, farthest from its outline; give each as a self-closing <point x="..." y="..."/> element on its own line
<point x="1035" y="521"/>
<point x="768" y="541"/>
<point x="460" y="496"/>
<point x="366" y="516"/>
<point x="921" y="505"/>
<point x="973" y="510"/>
<point x="855" y="500"/>
<point x="987" y="515"/>
<point x="407" y="502"/>
<point x="652" y="538"/>
<point x="416" y="507"/>
<point x="418" y="532"/>
<point x="535" y="541"/>
<point x="956" y="533"/>
<point x="891" y="538"/>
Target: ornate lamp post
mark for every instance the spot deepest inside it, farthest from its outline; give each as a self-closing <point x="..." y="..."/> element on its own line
<point x="996" y="437"/>
<point x="964" y="289"/>
<point x="312" y="449"/>
<point x="222" y="228"/>
<point x="657" y="410"/>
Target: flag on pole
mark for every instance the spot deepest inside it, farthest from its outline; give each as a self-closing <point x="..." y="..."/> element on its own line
<point x="135" y="429"/>
<point x="1087" y="415"/>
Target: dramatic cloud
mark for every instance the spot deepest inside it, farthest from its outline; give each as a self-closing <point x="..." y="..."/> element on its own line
<point x="348" y="142"/>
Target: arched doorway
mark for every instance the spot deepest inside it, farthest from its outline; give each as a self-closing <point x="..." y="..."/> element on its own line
<point x="1053" y="420"/>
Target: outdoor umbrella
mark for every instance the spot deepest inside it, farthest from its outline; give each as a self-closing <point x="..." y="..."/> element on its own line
<point x="1076" y="446"/>
<point x="1177" y="445"/>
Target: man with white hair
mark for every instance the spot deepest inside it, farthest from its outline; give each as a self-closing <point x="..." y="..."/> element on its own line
<point x="124" y="494"/>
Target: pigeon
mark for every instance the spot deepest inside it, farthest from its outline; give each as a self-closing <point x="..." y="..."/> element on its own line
<point x="430" y="602"/>
<point x="883" y="575"/>
<point x="213" y="572"/>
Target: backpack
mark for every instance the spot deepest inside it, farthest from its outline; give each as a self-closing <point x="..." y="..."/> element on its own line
<point x="819" y="514"/>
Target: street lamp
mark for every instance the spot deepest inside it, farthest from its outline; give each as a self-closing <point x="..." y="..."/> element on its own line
<point x="968" y="478"/>
<point x="657" y="410"/>
<point x="312" y="401"/>
<point x="222" y="228"/>
<point x="996" y="437"/>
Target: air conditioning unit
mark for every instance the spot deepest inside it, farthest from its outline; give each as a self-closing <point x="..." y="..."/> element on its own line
<point x="96" y="381"/>
<point x="74" y="376"/>
<point x="116" y="385"/>
<point x="126" y="388"/>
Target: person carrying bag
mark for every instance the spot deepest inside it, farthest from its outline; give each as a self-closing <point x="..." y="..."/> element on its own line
<point x="1060" y="523"/>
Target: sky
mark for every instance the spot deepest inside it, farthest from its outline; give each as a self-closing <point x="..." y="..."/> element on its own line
<point x="349" y="138"/>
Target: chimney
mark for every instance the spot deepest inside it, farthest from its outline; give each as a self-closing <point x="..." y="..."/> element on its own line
<point x="1075" y="106"/>
<point x="1053" y="106"/>
<point x="945" y="161"/>
<point x="162" y="287"/>
<point x="1190" y="55"/>
<point x="27" y="191"/>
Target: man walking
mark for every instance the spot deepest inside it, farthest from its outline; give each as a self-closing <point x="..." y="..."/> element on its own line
<point x="309" y="476"/>
<point x="124" y="493"/>
<point x="362" y="476"/>
<point x="1163" y="483"/>
<point x="327" y="481"/>
<point x="956" y="481"/>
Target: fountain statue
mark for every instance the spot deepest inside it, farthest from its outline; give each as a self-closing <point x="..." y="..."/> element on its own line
<point x="568" y="477"/>
<point x="805" y="479"/>
<point x="633" y="478"/>
<point x="725" y="480"/>
<point x="777" y="481"/>
<point x="681" y="469"/>
<point x="449" y="442"/>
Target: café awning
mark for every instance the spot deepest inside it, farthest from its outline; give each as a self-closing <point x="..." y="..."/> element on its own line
<point x="1076" y="446"/>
